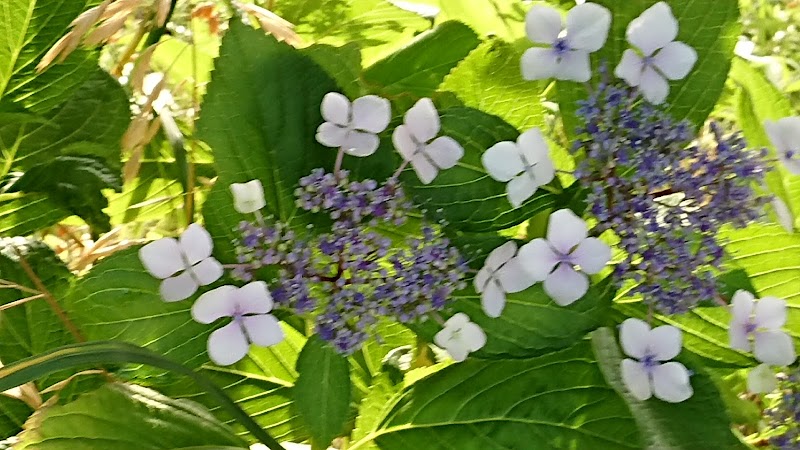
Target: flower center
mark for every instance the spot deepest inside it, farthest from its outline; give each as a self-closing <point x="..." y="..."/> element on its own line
<point x="649" y="362"/>
<point x="565" y="258"/>
<point x="750" y="327"/>
<point x="561" y="46"/>
<point x="792" y="154"/>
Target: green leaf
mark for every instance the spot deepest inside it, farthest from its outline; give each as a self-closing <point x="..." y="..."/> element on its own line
<point x="94" y="353"/>
<point x="75" y="182"/>
<point x="13" y="414"/>
<point x="374" y="406"/>
<point x="558" y="401"/>
<point x="342" y="63"/>
<point x="465" y="196"/>
<point x="118" y="300"/>
<point x="322" y="391"/>
<point x="699" y="422"/>
<point x="125" y="417"/>
<point x="489" y="79"/>
<point x="501" y="18"/>
<point x="711" y="27"/>
<point x="268" y="132"/>
<point x="419" y="68"/>
<point x="25" y="213"/>
<point x="32" y="327"/>
<point x="376" y="26"/>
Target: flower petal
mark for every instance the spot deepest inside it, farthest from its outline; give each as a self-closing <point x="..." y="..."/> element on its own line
<point x="502" y="161"/>
<point x="738" y="337"/>
<point x="675" y="60"/>
<point x="539" y="63"/>
<point x="445" y="152"/>
<point x="762" y="380"/>
<point x="493" y="299"/>
<point x="543" y="24"/>
<point x="513" y="277"/>
<point x="456" y="320"/>
<point x="196" y="243"/>
<point x="473" y="336"/>
<point x="565" y="230"/>
<point x="214" y="304"/>
<point x="574" y="66"/>
<point x="227" y="345"/>
<point x="587" y="27"/>
<point x="422" y="120"/>
<point x="774" y="348"/>
<point x="653" y="29"/>
<point x="331" y="135"/>
<point x="481" y="279"/>
<point x="636" y="379"/>
<point x="671" y="382"/>
<point x="178" y="288"/>
<point x="521" y="188"/>
<point x="742" y="306"/>
<point x="565" y="285"/>
<point x="404" y="142"/>
<point x="784" y="214"/>
<point x="371" y="113"/>
<point x="263" y="329"/>
<point x="426" y="171"/>
<point x="457" y="349"/>
<point x="634" y="336"/>
<point x="162" y="258"/>
<point x="536" y="151"/>
<point x="500" y="255"/>
<point x="248" y="197"/>
<point x="207" y="271"/>
<point x="654" y="86"/>
<point x="630" y="68"/>
<point x="538" y="259"/>
<point x="770" y="313"/>
<point x="664" y="342"/>
<point x="253" y="298"/>
<point x="336" y="109"/>
<point x="592" y="255"/>
<point x="361" y="144"/>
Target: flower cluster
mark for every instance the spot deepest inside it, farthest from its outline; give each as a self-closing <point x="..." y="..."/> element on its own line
<point x="664" y="196"/>
<point x="351" y="275"/>
<point x="784" y="416"/>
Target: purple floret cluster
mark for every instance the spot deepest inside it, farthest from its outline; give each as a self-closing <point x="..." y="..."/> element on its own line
<point x="351" y="275"/>
<point x="665" y="195"/>
<point x="783" y="416"/>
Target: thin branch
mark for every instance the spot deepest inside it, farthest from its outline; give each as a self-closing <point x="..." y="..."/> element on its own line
<point x="21" y="301"/>
<point x="5" y="284"/>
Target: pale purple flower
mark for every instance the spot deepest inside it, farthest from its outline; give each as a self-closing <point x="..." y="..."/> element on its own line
<point x="785" y="137"/>
<point x="524" y="164"/>
<point x="761" y="322"/>
<point x="353" y="127"/>
<point x="460" y="337"/>
<point x="501" y="274"/>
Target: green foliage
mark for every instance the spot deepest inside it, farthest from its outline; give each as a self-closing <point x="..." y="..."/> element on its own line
<point x="150" y="420"/>
<point x="322" y="391"/>
<point x="13" y="414"/>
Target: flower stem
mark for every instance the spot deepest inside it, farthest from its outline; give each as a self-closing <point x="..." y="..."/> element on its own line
<point x="339" y="159"/>
<point x="400" y="169"/>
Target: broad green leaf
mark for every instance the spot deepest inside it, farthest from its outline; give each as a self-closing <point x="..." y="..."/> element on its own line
<point x="373" y="408"/>
<point x="76" y="183"/>
<point x="711" y="27"/>
<point x="418" y="69"/>
<point x="489" y="79"/>
<point x="465" y="196"/>
<point x="268" y="132"/>
<point x="376" y="26"/>
<point x="342" y="63"/>
<point x="558" y="401"/>
<point x="118" y="300"/>
<point x="322" y="391"/>
<point x="13" y="414"/>
<point x="125" y="417"/>
<point x="22" y="214"/>
<point x="699" y="422"/>
<point x="32" y="327"/>
<point x="501" y="18"/>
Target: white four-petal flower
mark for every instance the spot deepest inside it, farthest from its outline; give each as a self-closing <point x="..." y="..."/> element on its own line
<point x="416" y="144"/>
<point x="248" y="197"/>
<point x="190" y="255"/>
<point x="648" y="373"/>
<point x="566" y="56"/>
<point x="761" y="321"/>
<point x="785" y="136"/>
<point x="501" y="274"/>
<point x="525" y="165"/>
<point x="460" y="337"/>
<point x="762" y="380"/>
<point x="353" y="127"/>
<point x="553" y="260"/>
<point x="660" y="57"/>
<point x="248" y="307"/>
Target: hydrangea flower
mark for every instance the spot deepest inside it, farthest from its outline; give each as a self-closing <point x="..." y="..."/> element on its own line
<point x="659" y="58"/>
<point x="566" y="56"/>
<point x="248" y="307"/>
<point x="188" y="256"/>
<point x="525" y="165"/>
<point x="783" y="214"/>
<point x="416" y="144"/>
<point x="248" y="197"/>
<point x="761" y="321"/>
<point x="353" y="127"/>
<point x="785" y="136"/>
<point x="501" y="274"/>
<point x="762" y="380"/>
<point x="648" y="374"/>
<point x="554" y="260"/>
<point x="460" y="337"/>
